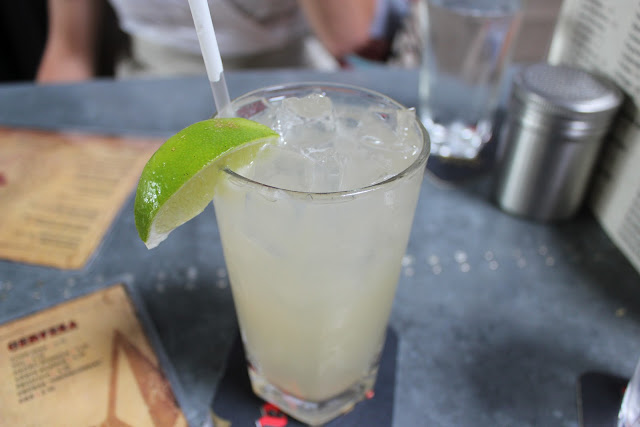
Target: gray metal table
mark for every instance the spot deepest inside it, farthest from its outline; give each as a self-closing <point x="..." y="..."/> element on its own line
<point x="496" y="316"/>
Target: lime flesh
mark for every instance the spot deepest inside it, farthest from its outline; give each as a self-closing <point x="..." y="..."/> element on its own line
<point x="179" y="180"/>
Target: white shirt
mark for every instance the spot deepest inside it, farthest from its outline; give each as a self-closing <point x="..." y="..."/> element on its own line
<point x="243" y="27"/>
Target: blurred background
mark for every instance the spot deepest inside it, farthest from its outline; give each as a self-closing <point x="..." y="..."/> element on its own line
<point x="23" y="32"/>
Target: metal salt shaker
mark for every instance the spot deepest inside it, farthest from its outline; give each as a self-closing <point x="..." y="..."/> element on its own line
<point x="556" y="120"/>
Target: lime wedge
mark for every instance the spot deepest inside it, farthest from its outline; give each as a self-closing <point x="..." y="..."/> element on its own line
<point x="179" y="179"/>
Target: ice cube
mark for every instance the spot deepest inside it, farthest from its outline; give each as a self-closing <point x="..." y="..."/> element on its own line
<point x="329" y="148"/>
<point x="282" y="167"/>
<point x="406" y="124"/>
<point x="362" y="167"/>
<point x="386" y="143"/>
<point x="394" y="136"/>
<point x="314" y="107"/>
<point x="408" y="131"/>
<point x="284" y="120"/>
<point x="326" y="175"/>
<point x="307" y="122"/>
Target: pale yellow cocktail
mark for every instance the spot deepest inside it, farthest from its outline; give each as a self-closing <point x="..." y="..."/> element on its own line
<point x="313" y="233"/>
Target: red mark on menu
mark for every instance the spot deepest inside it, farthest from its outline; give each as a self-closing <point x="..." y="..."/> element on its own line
<point x="3" y="180"/>
<point x="271" y="417"/>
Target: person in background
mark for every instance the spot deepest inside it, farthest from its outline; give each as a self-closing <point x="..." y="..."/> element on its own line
<point x="389" y="19"/>
<point x="163" y="41"/>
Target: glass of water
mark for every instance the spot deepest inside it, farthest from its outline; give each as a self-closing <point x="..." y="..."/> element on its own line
<point x="467" y="47"/>
<point x="629" y="415"/>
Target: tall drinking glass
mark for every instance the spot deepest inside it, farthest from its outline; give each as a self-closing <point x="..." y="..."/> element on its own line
<point x="313" y="234"/>
<point x="467" y="47"/>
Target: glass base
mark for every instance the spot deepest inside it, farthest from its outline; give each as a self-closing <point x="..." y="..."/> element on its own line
<point x="312" y="413"/>
<point x="457" y="139"/>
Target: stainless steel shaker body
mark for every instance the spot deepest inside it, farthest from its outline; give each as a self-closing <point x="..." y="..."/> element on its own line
<point x="556" y="120"/>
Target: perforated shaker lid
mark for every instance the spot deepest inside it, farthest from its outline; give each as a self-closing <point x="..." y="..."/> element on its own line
<point x="568" y="92"/>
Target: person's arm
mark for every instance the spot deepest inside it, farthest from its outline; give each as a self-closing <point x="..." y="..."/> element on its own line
<point x="342" y="26"/>
<point x="70" y="48"/>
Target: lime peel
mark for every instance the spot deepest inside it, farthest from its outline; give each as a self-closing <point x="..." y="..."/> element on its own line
<point x="179" y="180"/>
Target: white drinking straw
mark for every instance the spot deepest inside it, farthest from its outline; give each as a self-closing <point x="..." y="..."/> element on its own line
<point x="210" y="53"/>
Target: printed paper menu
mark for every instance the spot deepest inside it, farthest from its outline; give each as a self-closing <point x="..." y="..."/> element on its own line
<point x="86" y="362"/>
<point x="59" y="192"/>
<point x="604" y="37"/>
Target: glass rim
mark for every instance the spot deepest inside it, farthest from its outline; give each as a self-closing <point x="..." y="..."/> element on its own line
<point x="417" y="163"/>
